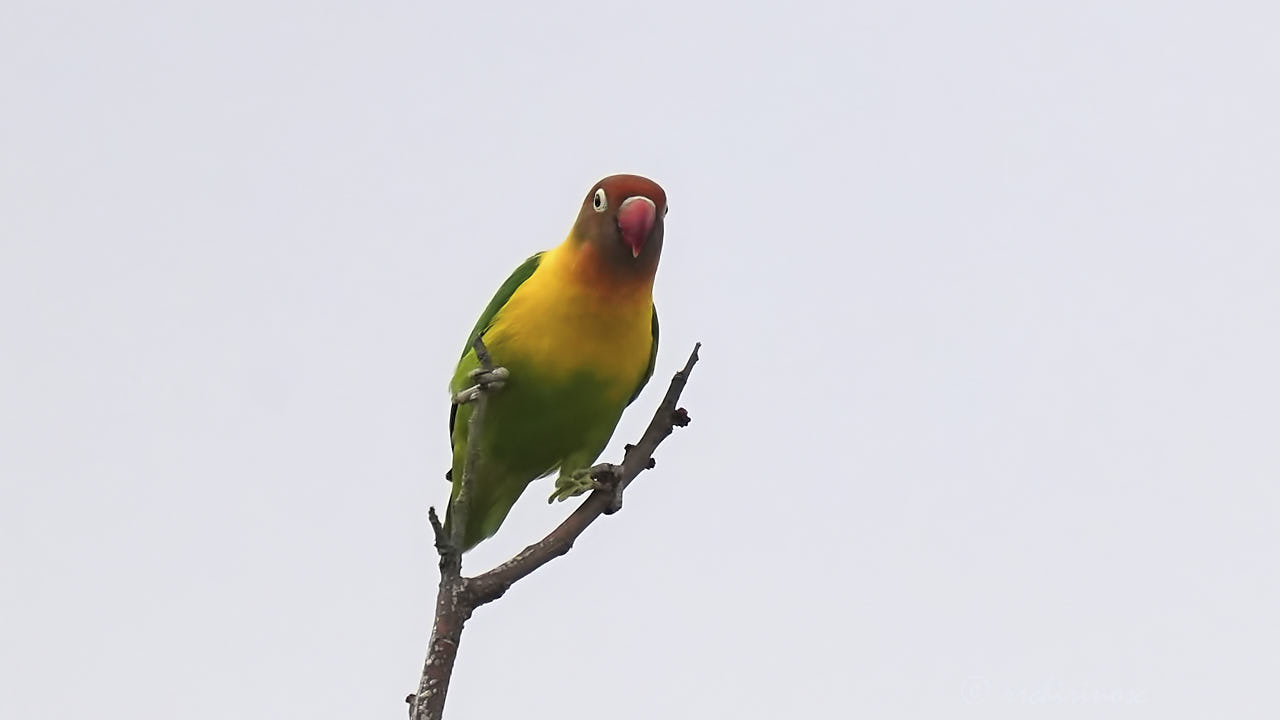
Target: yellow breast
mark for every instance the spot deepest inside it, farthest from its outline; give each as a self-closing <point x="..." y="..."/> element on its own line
<point x="563" y="325"/>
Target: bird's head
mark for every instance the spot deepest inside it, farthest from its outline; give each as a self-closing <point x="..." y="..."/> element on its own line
<point x="621" y="221"/>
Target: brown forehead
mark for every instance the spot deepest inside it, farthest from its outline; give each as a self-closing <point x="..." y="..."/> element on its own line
<point x="618" y="187"/>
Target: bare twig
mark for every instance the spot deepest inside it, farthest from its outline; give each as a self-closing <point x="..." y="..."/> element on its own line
<point x="491" y="585"/>
<point x="459" y="596"/>
<point x="451" y="610"/>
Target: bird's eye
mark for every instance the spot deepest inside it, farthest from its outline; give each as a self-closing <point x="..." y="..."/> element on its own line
<point x="600" y="202"/>
<point x="665" y="209"/>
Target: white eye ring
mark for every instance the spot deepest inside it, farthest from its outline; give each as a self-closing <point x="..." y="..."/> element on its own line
<point x="601" y="201"/>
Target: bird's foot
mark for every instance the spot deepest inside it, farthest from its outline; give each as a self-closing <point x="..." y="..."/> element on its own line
<point x="486" y="381"/>
<point x="573" y="484"/>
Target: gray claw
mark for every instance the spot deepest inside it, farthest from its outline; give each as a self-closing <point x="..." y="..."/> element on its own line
<point x="488" y="377"/>
<point x="486" y="381"/>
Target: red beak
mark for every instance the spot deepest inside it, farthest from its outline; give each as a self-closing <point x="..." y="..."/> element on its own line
<point x="635" y="219"/>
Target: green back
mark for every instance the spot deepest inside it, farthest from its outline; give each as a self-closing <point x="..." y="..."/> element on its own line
<point x="522" y="273"/>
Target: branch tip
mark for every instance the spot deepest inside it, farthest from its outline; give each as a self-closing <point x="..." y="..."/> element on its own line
<point x="437" y="527"/>
<point x="482" y="353"/>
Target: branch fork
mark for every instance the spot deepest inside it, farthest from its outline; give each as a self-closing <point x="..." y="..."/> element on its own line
<point x="459" y="596"/>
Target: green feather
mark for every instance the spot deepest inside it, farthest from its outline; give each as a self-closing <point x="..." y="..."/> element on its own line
<point x="653" y="359"/>
<point x="500" y="298"/>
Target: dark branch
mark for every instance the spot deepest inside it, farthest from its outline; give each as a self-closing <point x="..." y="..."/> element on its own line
<point x="452" y="609"/>
<point x="459" y="596"/>
<point x="491" y="585"/>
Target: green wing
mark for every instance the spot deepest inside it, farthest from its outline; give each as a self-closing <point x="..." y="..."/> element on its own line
<point x="653" y="358"/>
<point x="500" y="298"/>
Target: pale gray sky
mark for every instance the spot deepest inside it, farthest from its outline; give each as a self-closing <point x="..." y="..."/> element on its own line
<point x="986" y="424"/>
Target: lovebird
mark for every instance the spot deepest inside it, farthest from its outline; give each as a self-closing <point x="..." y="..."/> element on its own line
<point x="573" y="336"/>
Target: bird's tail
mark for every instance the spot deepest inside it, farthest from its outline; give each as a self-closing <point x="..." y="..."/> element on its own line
<point x="490" y="499"/>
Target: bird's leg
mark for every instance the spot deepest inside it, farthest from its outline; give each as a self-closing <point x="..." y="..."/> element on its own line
<point x="485" y="381"/>
<point x="577" y="482"/>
